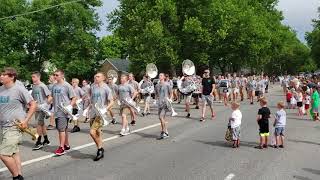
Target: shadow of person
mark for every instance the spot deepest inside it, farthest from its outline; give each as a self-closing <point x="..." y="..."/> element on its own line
<point x="301" y="178"/>
<point x="313" y="171"/>
<point x="226" y="144"/>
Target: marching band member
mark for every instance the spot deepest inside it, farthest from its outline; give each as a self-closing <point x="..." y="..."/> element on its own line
<point x="100" y="94"/>
<point x="51" y="125"/>
<point x="163" y="94"/>
<point x="135" y="86"/>
<point x="197" y="93"/>
<point x="251" y="86"/>
<point x="86" y="98"/>
<point x="114" y="91"/>
<point x="13" y="99"/>
<point x="62" y="92"/>
<point x="42" y="95"/>
<point x="125" y="91"/>
<point x="224" y="86"/>
<point x="243" y="84"/>
<point x="234" y="81"/>
<point x="146" y="95"/>
<point x="208" y="87"/>
<point x="79" y="93"/>
<point x="186" y="81"/>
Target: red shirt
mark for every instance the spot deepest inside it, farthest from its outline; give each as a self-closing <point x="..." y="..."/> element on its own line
<point x="289" y="96"/>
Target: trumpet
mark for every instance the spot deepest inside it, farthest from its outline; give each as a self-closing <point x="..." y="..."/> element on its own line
<point x="31" y="131"/>
<point x="45" y="108"/>
<point x="170" y="107"/>
<point x="101" y="111"/>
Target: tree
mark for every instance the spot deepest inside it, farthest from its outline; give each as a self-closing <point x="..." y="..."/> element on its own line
<point x="313" y="39"/>
<point x="111" y="47"/>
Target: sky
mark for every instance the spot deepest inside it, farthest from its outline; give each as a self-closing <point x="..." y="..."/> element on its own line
<point x="298" y="15"/>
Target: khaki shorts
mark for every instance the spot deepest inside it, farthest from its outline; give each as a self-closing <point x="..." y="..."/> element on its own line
<point x="96" y="123"/>
<point x="124" y="110"/>
<point x="9" y="141"/>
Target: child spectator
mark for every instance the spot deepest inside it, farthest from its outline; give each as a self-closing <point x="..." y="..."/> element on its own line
<point x="263" y="122"/>
<point x="235" y="122"/>
<point x="279" y="124"/>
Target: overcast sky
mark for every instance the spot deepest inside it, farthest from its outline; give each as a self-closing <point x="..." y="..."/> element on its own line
<point x="298" y="14"/>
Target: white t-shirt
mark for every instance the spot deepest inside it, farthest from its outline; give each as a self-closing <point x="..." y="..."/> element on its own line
<point x="236" y="116"/>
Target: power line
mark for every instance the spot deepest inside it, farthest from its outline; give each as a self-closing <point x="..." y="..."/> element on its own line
<point x="36" y="11"/>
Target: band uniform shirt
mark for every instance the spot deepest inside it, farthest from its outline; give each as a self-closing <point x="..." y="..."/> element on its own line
<point x="146" y="84"/>
<point x="163" y="91"/>
<point x="100" y="95"/>
<point x="125" y="91"/>
<point x="134" y="84"/>
<point x="61" y="93"/>
<point x="207" y="85"/>
<point x="40" y="92"/>
<point x="114" y="90"/>
<point x="12" y="103"/>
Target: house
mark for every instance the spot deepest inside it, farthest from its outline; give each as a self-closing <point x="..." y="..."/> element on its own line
<point x="119" y="65"/>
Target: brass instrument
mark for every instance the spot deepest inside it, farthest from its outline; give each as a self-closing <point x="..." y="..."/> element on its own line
<point x="170" y="107"/>
<point x="130" y="103"/>
<point x="45" y="108"/>
<point x="31" y="131"/>
<point x="101" y="111"/>
<point x="67" y="109"/>
<point x="188" y="68"/>
<point x="113" y="74"/>
<point x="152" y="72"/>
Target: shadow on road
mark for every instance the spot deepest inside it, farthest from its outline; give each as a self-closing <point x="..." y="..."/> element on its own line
<point x="313" y="171"/>
<point x="227" y="144"/>
<point x="301" y="178"/>
<point x="306" y="142"/>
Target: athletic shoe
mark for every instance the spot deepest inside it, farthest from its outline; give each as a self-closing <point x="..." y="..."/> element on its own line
<point x="59" y="152"/>
<point x="37" y="146"/>
<point x="133" y="123"/>
<point x="197" y="107"/>
<point x="123" y="132"/>
<point x="67" y="148"/>
<point x="265" y="146"/>
<point x="281" y="146"/>
<point x="258" y="147"/>
<point x="164" y="135"/>
<point x="202" y="120"/>
<point x="113" y="121"/>
<point x="100" y="154"/>
<point x="19" y="177"/>
<point x="148" y="113"/>
<point x="50" y="127"/>
<point x="127" y="132"/>
<point x="188" y="115"/>
<point x="75" y="129"/>
<point x="46" y="143"/>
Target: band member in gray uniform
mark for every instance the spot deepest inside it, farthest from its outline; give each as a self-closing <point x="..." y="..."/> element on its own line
<point x="51" y="125"/>
<point x="146" y="95"/>
<point x="79" y="93"/>
<point x="86" y="98"/>
<point x="13" y="99"/>
<point x="114" y="91"/>
<point x="62" y="93"/>
<point x="42" y="95"/>
<point x="163" y="94"/>
<point x="125" y="91"/>
<point x="101" y="95"/>
<point x="186" y="81"/>
<point x="135" y="86"/>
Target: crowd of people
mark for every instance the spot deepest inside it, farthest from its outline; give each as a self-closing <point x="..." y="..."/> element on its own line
<point x="16" y="103"/>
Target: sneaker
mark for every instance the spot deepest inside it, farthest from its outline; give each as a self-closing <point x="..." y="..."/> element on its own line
<point x="50" y="127"/>
<point x="281" y="146"/>
<point x="67" y="148"/>
<point x="164" y="135"/>
<point x="148" y="113"/>
<point x="100" y="154"/>
<point x="202" y="120"/>
<point x="59" y="152"/>
<point x="37" y="146"/>
<point x="174" y="114"/>
<point x="133" y="123"/>
<point x="123" y="132"/>
<point x="197" y="107"/>
<point x="46" y="143"/>
<point x="265" y="146"/>
<point x="258" y="147"/>
<point x="275" y="146"/>
<point x="188" y="115"/>
<point x="127" y="132"/>
<point x="75" y="129"/>
<point x="113" y="121"/>
<point x="19" y="177"/>
<point x="143" y="114"/>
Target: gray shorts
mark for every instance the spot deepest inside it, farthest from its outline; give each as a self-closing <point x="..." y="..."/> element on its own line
<point x="207" y="99"/>
<point x="279" y="131"/>
<point x="163" y="110"/>
<point x="235" y="133"/>
<point x="40" y="116"/>
<point x="62" y="123"/>
<point x="146" y="98"/>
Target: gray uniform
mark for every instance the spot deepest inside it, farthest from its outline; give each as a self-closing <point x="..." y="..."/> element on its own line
<point x="12" y="101"/>
<point x="146" y="96"/>
<point x="40" y="93"/>
<point x="114" y="90"/>
<point x="163" y="91"/>
<point x="134" y="84"/>
<point x="61" y="93"/>
<point x="86" y="90"/>
<point x="100" y="95"/>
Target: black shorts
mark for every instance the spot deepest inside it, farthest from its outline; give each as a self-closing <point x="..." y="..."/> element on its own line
<point x="196" y="95"/>
<point x="257" y="93"/>
<point x="74" y="111"/>
<point x="299" y="104"/>
<point x="263" y="128"/>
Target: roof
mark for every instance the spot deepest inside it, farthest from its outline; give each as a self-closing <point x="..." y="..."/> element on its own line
<point x="120" y="64"/>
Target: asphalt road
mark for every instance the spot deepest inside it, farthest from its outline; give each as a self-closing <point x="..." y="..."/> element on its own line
<point x="194" y="151"/>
